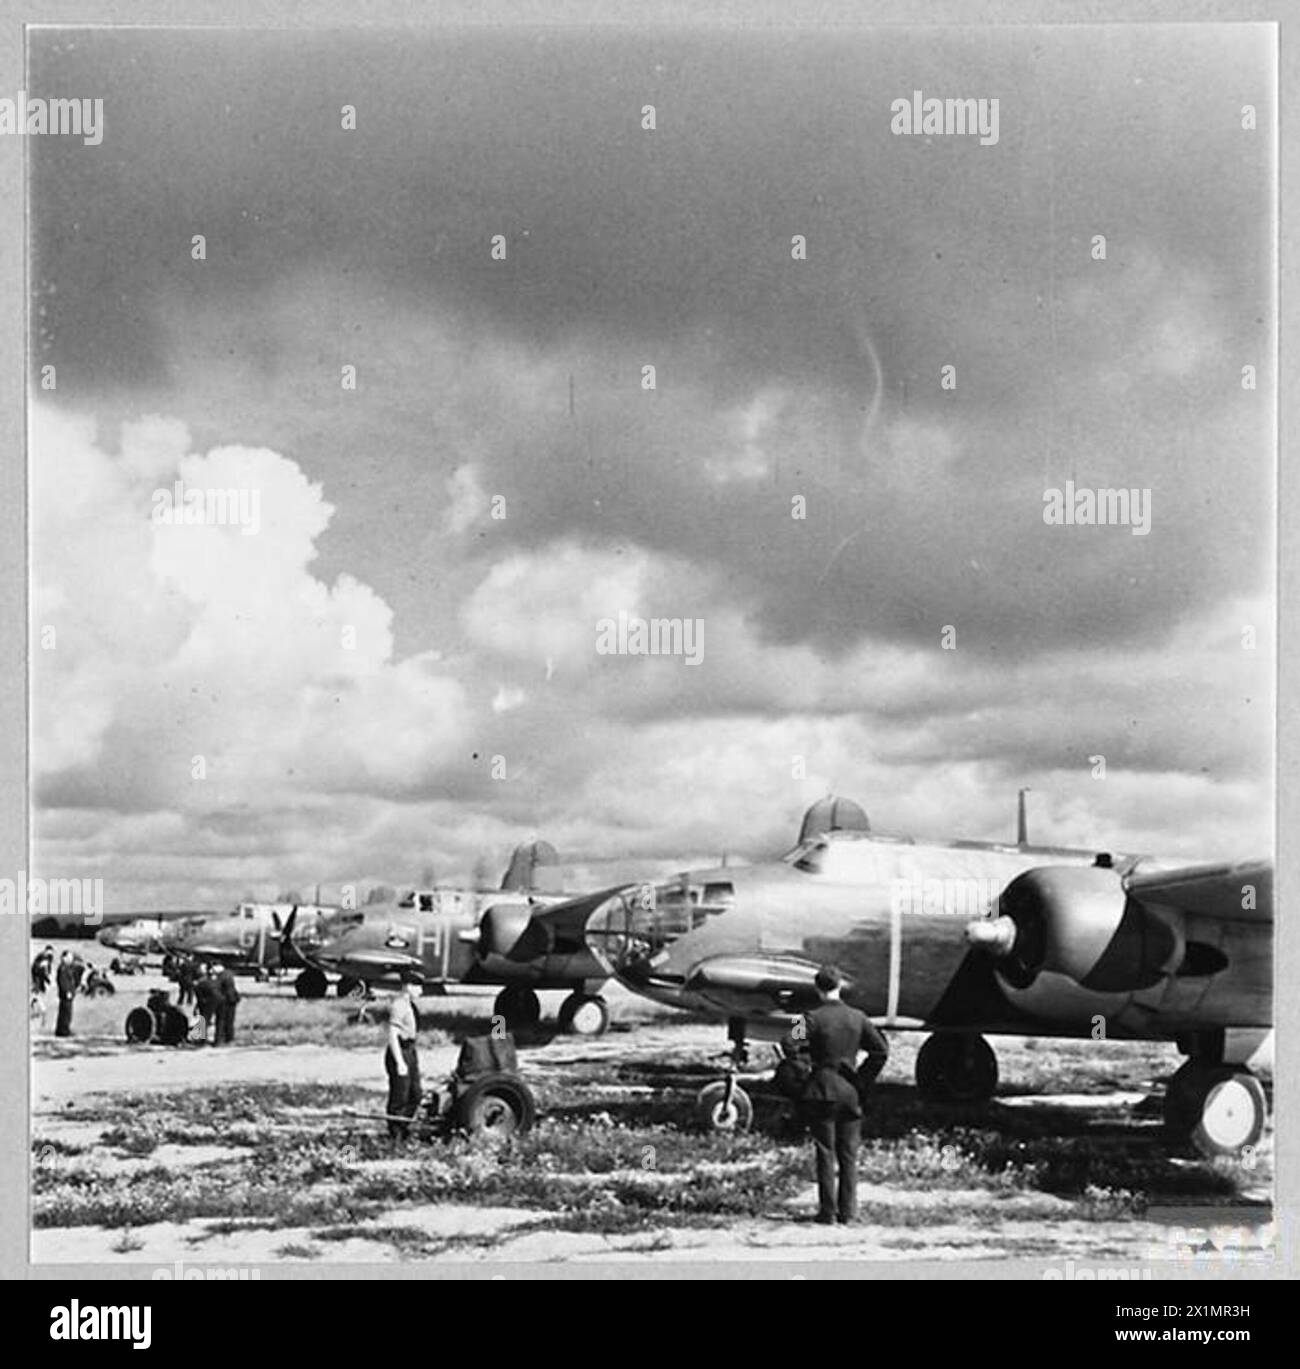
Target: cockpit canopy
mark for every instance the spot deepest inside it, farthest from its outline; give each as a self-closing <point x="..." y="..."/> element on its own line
<point x="638" y="925"/>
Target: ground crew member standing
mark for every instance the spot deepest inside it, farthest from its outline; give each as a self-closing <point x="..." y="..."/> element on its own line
<point x="42" y="968"/>
<point x="187" y="973"/>
<point x="66" y="980"/>
<point x="401" y="1061"/>
<point x="227" y="998"/>
<point x="207" y="1000"/>
<point x="832" y="1099"/>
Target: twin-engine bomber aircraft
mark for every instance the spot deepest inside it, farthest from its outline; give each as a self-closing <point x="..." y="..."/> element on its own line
<point x="257" y="938"/>
<point x="959" y="939"/>
<point x="452" y="936"/>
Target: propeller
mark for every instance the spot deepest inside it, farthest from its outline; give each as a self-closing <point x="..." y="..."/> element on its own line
<point x="1080" y="923"/>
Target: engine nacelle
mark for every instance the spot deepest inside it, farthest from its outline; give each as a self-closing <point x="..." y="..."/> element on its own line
<point x="502" y="927"/>
<point x="1078" y="921"/>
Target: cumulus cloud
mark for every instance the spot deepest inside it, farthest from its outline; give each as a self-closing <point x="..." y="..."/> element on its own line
<point x="177" y="648"/>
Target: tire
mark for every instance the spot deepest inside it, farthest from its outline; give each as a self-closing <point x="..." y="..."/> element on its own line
<point x="957" y="1067"/>
<point x="584" y="1015"/>
<point x="1220" y="1110"/>
<point x="349" y="987"/>
<point x="311" y="983"/>
<point x="714" y="1113"/>
<point x="173" y="1026"/>
<point x="520" y="1007"/>
<point x="140" y="1026"/>
<point x="496" y="1108"/>
<point x="102" y="989"/>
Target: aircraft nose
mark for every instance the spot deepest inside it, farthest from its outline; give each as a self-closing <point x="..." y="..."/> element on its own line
<point x="633" y="930"/>
<point x="618" y="932"/>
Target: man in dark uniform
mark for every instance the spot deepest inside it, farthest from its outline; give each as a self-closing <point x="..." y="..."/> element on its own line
<point x="401" y="1061"/>
<point x="207" y="1000"/>
<point x="227" y="998"/>
<point x="66" y="980"/>
<point x="834" y="1033"/>
<point x="187" y="973"/>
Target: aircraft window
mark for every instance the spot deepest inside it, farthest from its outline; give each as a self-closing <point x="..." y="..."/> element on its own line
<point x="719" y="895"/>
<point x="406" y="901"/>
<point x="247" y="911"/>
<point x="811" y="858"/>
<point x="426" y="903"/>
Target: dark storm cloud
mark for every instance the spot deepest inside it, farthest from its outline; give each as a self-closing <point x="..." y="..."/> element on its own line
<point x="759" y="137"/>
<point x="673" y="247"/>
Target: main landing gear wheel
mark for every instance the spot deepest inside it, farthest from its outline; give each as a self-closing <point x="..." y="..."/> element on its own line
<point x="520" y="1007"/>
<point x="349" y="987"/>
<point x="957" y="1067"/>
<point x="311" y="983"/>
<point x="584" y="1015"/>
<point x="724" y="1107"/>
<point x="1220" y="1109"/>
<point x="495" y="1108"/>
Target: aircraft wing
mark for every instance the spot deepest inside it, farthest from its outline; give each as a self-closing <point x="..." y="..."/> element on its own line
<point x="374" y="962"/>
<point x="1240" y="892"/>
<point x="223" y="952"/>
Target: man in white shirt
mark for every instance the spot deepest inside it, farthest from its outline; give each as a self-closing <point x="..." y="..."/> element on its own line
<point x="401" y="1060"/>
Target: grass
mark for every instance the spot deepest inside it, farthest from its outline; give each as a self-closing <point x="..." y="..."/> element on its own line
<point x="622" y="1174"/>
<point x="616" y="1151"/>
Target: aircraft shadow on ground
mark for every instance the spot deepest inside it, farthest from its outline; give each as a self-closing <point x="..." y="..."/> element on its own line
<point x="1051" y="1148"/>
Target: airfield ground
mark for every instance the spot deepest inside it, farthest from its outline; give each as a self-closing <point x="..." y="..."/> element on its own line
<point x="250" y="1155"/>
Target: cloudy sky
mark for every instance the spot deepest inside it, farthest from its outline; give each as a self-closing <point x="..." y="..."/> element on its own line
<point x="349" y="672"/>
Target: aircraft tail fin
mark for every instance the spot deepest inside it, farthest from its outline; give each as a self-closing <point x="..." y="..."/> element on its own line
<point x="519" y="876"/>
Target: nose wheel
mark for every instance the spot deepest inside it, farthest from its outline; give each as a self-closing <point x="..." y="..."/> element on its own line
<point x="723" y="1105"/>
